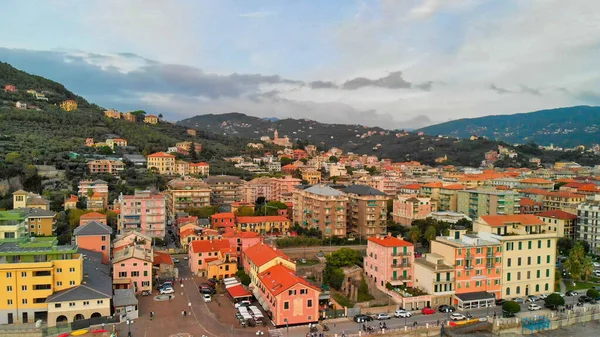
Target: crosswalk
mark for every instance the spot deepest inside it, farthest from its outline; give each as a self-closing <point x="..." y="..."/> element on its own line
<point x="275" y="333"/>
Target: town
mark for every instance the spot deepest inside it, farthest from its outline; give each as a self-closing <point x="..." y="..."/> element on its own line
<point x="318" y="241"/>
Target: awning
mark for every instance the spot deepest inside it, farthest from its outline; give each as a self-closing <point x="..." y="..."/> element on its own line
<point x="122" y="281"/>
<point x="475" y="296"/>
<point x="238" y="291"/>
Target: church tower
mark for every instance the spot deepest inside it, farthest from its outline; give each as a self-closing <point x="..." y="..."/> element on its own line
<point x="276" y="135"/>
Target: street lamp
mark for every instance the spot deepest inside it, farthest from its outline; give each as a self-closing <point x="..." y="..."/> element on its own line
<point x="287" y="327"/>
<point x="129" y="322"/>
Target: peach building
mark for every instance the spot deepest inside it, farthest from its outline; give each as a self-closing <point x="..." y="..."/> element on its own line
<point x="132" y="267"/>
<point x="389" y="259"/>
<point x="241" y="240"/>
<point x="281" y="188"/>
<point x="212" y="258"/>
<point x="408" y="208"/>
<point x="92" y="216"/>
<point x="113" y="167"/>
<point x="71" y="202"/>
<point x="200" y="169"/>
<point x="151" y="119"/>
<point x="222" y="220"/>
<point x="144" y="212"/>
<point x="256" y="188"/>
<point x="94" y="236"/>
<point x="477" y="263"/>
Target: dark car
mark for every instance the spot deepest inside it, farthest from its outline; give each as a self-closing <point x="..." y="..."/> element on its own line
<point x="362" y="318"/>
<point x="500" y="301"/>
<point x="446" y="308"/>
<point x="212" y="281"/>
<point x="206" y="290"/>
<point x="571" y="293"/>
<point x="584" y="299"/>
<point x="507" y="314"/>
<point x="206" y="284"/>
<point x="550" y="306"/>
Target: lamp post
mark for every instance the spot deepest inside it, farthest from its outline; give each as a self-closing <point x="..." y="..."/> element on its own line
<point x="129" y="328"/>
<point x="287" y="327"/>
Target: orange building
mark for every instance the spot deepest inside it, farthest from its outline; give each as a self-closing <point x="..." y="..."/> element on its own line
<point x="71" y="203"/>
<point x="92" y="216"/>
<point x="10" y="88"/>
<point x="112" y="114"/>
<point x="163" y="162"/>
<point x="68" y="105"/>
<point x="222" y="220"/>
<point x="128" y="116"/>
<point x="201" y="169"/>
<point x="94" y="236"/>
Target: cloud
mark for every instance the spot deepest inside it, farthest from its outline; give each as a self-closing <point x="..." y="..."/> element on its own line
<point x="531" y="91"/>
<point x="392" y="81"/>
<point x="499" y="90"/>
<point x="322" y="85"/>
<point x="261" y="14"/>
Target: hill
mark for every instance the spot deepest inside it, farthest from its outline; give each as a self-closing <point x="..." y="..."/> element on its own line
<point x="396" y="145"/>
<point x="564" y="127"/>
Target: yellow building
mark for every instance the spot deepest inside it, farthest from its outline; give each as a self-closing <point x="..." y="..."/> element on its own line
<point x="39" y="221"/>
<point x="561" y="222"/>
<point x="32" y="270"/>
<point x="22" y="199"/>
<point x="68" y="105"/>
<point x="528" y="252"/>
<point x="13" y="225"/>
<point x="263" y="224"/>
<point x="212" y="258"/>
<point x="151" y="119"/>
<point x="311" y="176"/>
<point x="186" y="193"/>
<point x="112" y="114"/>
<point x="163" y="162"/>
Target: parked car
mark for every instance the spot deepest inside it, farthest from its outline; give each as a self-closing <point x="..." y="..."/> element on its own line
<point x="571" y="293"/>
<point x="596" y="264"/>
<point x="518" y="300"/>
<point x="446" y="308"/>
<point x="207" y="298"/>
<point x="533" y="307"/>
<point x="532" y="298"/>
<point x="242" y="304"/>
<point x="550" y="306"/>
<point x="427" y="311"/>
<point x="402" y="313"/>
<point x="146" y="293"/>
<point x="175" y="260"/>
<point x="212" y="281"/>
<point x="561" y="295"/>
<point x="186" y="258"/>
<point x="207" y="290"/>
<point x="167" y="290"/>
<point x="543" y="296"/>
<point x="362" y="318"/>
<point x="584" y="299"/>
<point x="206" y="284"/>
<point x="500" y="301"/>
<point x="457" y="317"/>
<point x="382" y="316"/>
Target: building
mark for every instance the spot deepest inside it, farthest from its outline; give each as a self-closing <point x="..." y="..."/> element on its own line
<point x="40" y="222"/>
<point x="536" y="183"/>
<point x="10" y="88"/>
<point x="182" y="168"/>
<point x="150" y="119"/>
<point x="200" y="169"/>
<point x="257" y="188"/>
<point x="32" y="269"/>
<point x="561" y="222"/>
<point x="90" y="299"/>
<point x="68" y="105"/>
<point x="282" y="188"/>
<point x="106" y="166"/>
<point x="311" y="176"/>
<point x="260" y="257"/>
<point x="263" y="225"/>
<point x="71" y="202"/>
<point x="136" y="159"/>
<point x="143" y="212"/>
<point x="529" y="206"/>
<point x="475" y="203"/>
<point x="132" y="266"/>
<point x="225" y="190"/>
<point x="435" y="277"/>
<point x="128" y="116"/>
<point x="24" y="199"/>
<point x="448" y="197"/>
<point x="321" y="207"/>
<point x="222" y="220"/>
<point x="13" y="225"/>
<point x="528" y="252"/>
<point x="112" y="114"/>
<point x="450" y="217"/>
<point x="477" y="267"/>
<point x="94" y="236"/>
<point x="163" y="162"/>
<point x="241" y="240"/>
<point x="588" y="224"/>
<point x="407" y="208"/>
<point x="87" y="188"/>
<point x="93" y="216"/>
<point x="187" y="146"/>
<point x="186" y="193"/>
<point x="191" y="132"/>
<point x="561" y="200"/>
<point x="212" y="258"/>
<point x="116" y="142"/>
<point x="366" y="212"/>
<point x="389" y="260"/>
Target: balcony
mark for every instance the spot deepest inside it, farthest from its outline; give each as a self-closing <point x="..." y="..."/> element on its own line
<point x="401" y="254"/>
<point x="401" y="265"/>
<point x="436" y="281"/>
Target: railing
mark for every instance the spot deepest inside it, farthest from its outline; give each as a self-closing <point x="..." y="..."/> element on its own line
<point x="401" y="254"/>
<point x="401" y="265"/>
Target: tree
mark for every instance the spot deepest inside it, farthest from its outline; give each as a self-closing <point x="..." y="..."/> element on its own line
<point x="334" y="277"/>
<point x="587" y="267"/>
<point x="464" y="223"/>
<point x="430" y="234"/>
<point x="414" y="234"/>
<point x="593" y="293"/>
<point x="554" y="300"/>
<point x="511" y="307"/>
<point x="343" y="257"/>
<point x="575" y="261"/>
<point x="13" y="157"/>
<point x="285" y="161"/>
<point x="244" y="211"/>
<point x="160" y="116"/>
<point x="193" y="154"/>
<point x="333" y="159"/>
<point x="564" y="245"/>
<point x="203" y="212"/>
<point x="244" y="278"/>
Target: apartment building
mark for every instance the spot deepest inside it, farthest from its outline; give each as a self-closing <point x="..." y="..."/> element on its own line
<point x="182" y="168"/>
<point x="321" y="207"/>
<point x="94" y="236"/>
<point x="263" y="225"/>
<point x="366" y="214"/>
<point x="31" y="270"/>
<point x="95" y="192"/>
<point x="588" y="224"/>
<point x="222" y="220"/>
<point x="162" y="162"/>
<point x="477" y="264"/>
<point x="448" y="197"/>
<point x="132" y="266"/>
<point x="564" y="201"/>
<point x="93" y="216"/>
<point x="561" y="222"/>
<point x="200" y="169"/>
<point x="224" y="190"/>
<point x="389" y="259"/>
<point x="311" y="176"/>
<point x="475" y="203"/>
<point x="536" y="183"/>
<point x="530" y="206"/>
<point x="257" y="188"/>
<point x="151" y="119"/>
<point x="212" y="258"/>
<point x="13" y="225"/>
<point x="407" y="208"/>
<point x="105" y="166"/>
<point x="528" y="252"/>
<point x="24" y="199"/>
<point x="436" y="277"/>
<point x="144" y="212"/>
<point x="186" y="193"/>
<point x="282" y="188"/>
<point x="261" y="256"/>
<point x="116" y="142"/>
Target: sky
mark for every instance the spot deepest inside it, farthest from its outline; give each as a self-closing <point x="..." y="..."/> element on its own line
<point x="389" y="63"/>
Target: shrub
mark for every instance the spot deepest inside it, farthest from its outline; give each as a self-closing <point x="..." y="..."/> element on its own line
<point x="511" y="307"/>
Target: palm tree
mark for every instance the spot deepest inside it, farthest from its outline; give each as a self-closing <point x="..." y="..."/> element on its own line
<point x="415" y="234"/>
<point x="430" y="234"/>
<point x="587" y="267"/>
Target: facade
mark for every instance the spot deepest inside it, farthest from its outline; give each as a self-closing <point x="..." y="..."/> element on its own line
<point x="39" y="221"/>
<point x="366" y="212"/>
<point x="263" y="225"/>
<point x="144" y="212"/>
<point x="564" y="201"/>
<point x="282" y="188"/>
<point x="71" y="202"/>
<point x="112" y="114"/>
<point x="448" y="197"/>
<point x="475" y="203"/>
<point x="408" y="208"/>
<point x="260" y="257"/>
<point x="588" y="224"/>
<point x="321" y="207"/>
<point x="163" y="162"/>
<point x="200" y="169"/>
<point x="536" y="183"/>
<point x="561" y="222"/>
<point x="222" y="220"/>
<point x="24" y="199"/>
<point x="389" y="259"/>
<point x="256" y="188"/>
<point x="116" y="142"/>
<point x="528" y="253"/>
<point x="186" y="193"/>
<point x="96" y="192"/>
<point x="106" y="166"/>
<point x="94" y="236"/>
<point x="436" y="277"/>
<point x="212" y="258"/>
<point x="128" y="116"/>
<point x="39" y="269"/>
<point x="225" y="190"/>
<point x="150" y="119"/>
<point x="529" y="206"/>
<point x="93" y="216"/>
<point x="68" y="105"/>
<point x="132" y="267"/>
<point x="311" y="176"/>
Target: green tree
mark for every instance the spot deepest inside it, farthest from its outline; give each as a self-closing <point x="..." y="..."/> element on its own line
<point x="511" y="307"/>
<point x="343" y="257"/>
<point x="564" y="245"/>
<point x="203" y="212"/>
<point x="244" y="278"/>
<point x="193" y="154"/>
<point x="587" y="267"/>
<point x="414" y="234"/>
<point x="554" y="300"/>
<point x="575" y="261"/>
<point x="430" y="234"/>
<point x="593" y="293"/>
<point x="13" y="157"/>
<point x="285" y="161"/>
<point x="334" y="277"/>
<point x="244" y="211"/>
<point x="333" y="159"/>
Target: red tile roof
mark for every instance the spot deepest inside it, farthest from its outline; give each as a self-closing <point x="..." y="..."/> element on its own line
<point x="390" y="241"/>
<point x="162" y="258"/>
<point x="278" y="279"/>
<point x="454" y="187"/>
<point x="92" y="215"/>
<point x="161" y="155"/>
<point x="199" y="246"/>
<point x="232" y="233"/>
<point x="558" y="214"/>
<point x="434" y="184"/>
<point x="564" y="194"/>
<point x="268" y="218"/>
<point x="503" y="220"/>
<point x="536" y="181"/>
<point x="238" y="291"/>
<point x="199" y="164"/>
<point x="187" y="232"/>
<point x="535" y="191"/>
<point x="588" y="188"/>
<point x="72" y="198"/>
<point x="411" y="187"/>
<point x="262" y="253"/>
<point x="529" y="202"/>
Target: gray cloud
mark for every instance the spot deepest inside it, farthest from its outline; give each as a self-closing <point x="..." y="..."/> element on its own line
<point x="392" y="81"/>
<point x="499" y="90"/>
<point x="425" y="86"/>
<point x="527" y="90"/>
<point x="322" y="85"/>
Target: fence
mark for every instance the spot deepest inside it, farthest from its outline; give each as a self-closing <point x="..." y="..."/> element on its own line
<point x="80" y="324"/>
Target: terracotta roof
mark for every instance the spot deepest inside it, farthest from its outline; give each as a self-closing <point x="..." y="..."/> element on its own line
<point x="232" y="233"/>
<point x="502" y="220"/>
<point x="390" y="241"/>
<point x="565" y="180"/>
<point x="564" y="194"/>
<point x="199" y="164"/>
<point x="238" y="291"/>
<point x="162" y="258"/>
<point x="92" y="215"/>
<point x="529" y="202"/>
<point x="198" y="246"/>
<point x="535" y="191"/>
<point x="161" y="155"/>
<point x="588" y="188"/>
<point x="411" y="187"/>
<point x="225" y="215"/>
<point x="454" y="187"/>
<point x="558" y="214"/>
<point x="536" y="181"/>
<point x="72" y="198"/>
<point x="574" y="185"/>
<point x="278" y="279"/>
<point x="262" y="253"/>
<point x="187" y="232"/>
<point x="268" y="218"/>
<point x="434" y="184"/>
<point x="502" y="188"/>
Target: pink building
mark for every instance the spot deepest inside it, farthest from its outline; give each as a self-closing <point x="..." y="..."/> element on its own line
<point x="241" y="240"/>
<point x="389" y="259"/>
<point x="132" y="268"/>
<point x="408" y="208"/>
<point x="281" y="188"/>
<point x="94" y="236"/>
<point x="144" y="212"/>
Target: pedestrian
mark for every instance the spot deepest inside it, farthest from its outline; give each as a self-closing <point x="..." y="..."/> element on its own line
<point x="494" y="315"/>
<point x="438" y="322"/>
<point x="102" y="326"/>
<point x="183" y="313"/>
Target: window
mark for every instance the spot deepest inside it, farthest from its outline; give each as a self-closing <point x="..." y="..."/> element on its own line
<point x="528" y="274"/>
<point x="103" y="237"/>
<point x="529" y="245"/>
<point x="145" y="283"/>
<point x="292" y="292"/>
<point x="24" y="301"/>
<point x="548" y="259"/>
<point x="519" y="261"/>
<point x="99" y="301"/>
<point x="507" y="291"/>
<point x="23" y="274"/>
<point x="122" y="274"/>
<point x="9" y="302"/>
<point x="9" y="288"/>
<point x="24" y="288"/>
<point x="520" y="248"/>
<point x="303" y="291"/>
<point x="508" y="277"/>
<point x="539" y="260"/>
<point x="59" y="270"/>
<point x="529" y="260"/>
<point x="59" y="283"/>
<point x="135" y="273"/>
<point x="547" y="272"/>
<point x="539" y="243"/>
<point x="549" y="243"/>
<point x="71" y="304"/>
<point x="546" y="287"/>
<point x="286" y="305"/>
<point x="539" y="273"/>
<point x="135" y="264"/>
<point x="8" y="274"/>
<point x="309" y="303"/>
<point x="145" y="273"/>
<point x="71" y="270"/>
<point x="509" y="262"/>
<point x="518" y="276"/>
<point x="518" y="289"/>
<point x="57" y="305"/>
<point x="86" y="303"/>
<point x="103" y="248"/>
